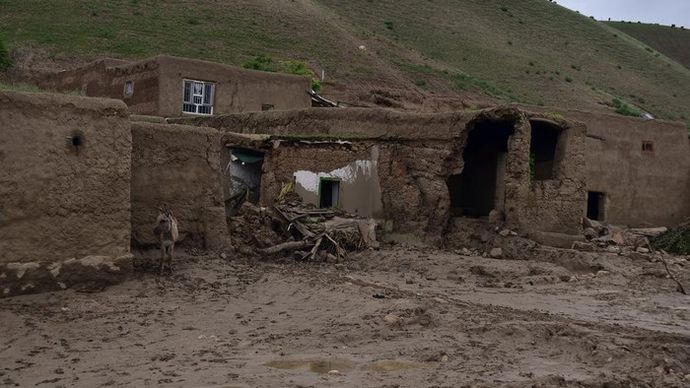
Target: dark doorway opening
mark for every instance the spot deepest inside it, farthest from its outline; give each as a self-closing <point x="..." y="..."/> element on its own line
<point x="480" y="187"/>
<point x="595" y="205"/>
<point x="542" y="149"/>
<point x="329" y="192"/>
<point x="243" y="176"/>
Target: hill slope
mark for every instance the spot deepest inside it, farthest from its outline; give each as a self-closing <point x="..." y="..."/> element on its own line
<point x="670" y="41"/>
<point x="531" y="51"/>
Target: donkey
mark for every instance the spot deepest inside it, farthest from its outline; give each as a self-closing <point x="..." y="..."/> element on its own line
<point x="166" y="231"/>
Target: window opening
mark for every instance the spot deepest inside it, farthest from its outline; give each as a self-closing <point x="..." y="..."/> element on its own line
<point x="197" y="97"/>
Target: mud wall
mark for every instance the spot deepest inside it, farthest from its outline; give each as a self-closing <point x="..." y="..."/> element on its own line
<point x="555" y="204"/>
<point x="178" y="166"/>
<point x="355" y="167"/>
<point x="107" y="78"/>
<point x="237" y="90"/>
<point x="414" y="155"/>
<point x="642" y="188"/>
<point x="64" y="188"/>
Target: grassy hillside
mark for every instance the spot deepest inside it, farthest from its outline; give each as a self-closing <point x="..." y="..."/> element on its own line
<point x="531" y="51"/>
<point x="673" y="42"/>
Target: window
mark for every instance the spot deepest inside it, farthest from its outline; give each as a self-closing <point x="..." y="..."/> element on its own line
<point x="329" y="192"/>
<point x="129" y="88"/>
<point x="543" y="149"/>
<point x="197" y="97"/>
<point x="648" y="147"/>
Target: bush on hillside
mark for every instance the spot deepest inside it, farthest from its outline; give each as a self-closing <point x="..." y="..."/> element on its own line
<point x="624" y="109"/>
<point x="5" y="60"/>
<point x="266" y="63"/>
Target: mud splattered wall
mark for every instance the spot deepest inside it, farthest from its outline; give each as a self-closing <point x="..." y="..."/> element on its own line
<point x="178" y="166"/>
<point x="65" y="177"/>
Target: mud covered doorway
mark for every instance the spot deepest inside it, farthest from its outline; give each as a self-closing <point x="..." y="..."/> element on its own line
<point x="480" y="187"/>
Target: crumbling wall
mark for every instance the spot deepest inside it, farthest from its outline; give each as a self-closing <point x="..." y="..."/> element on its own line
<point x="178" y="166"/>
<point x="415" y="156"/>
<point x="64" y="189"/>
<point x="355" y="166"/>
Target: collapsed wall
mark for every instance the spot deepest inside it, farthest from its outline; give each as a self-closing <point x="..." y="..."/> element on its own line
<point x="177" y="166"/>
<point x="64" y="191"/>
<point x="416" y="173"/>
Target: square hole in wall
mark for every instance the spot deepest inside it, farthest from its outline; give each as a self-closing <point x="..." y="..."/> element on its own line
<point x="648" y="146"/>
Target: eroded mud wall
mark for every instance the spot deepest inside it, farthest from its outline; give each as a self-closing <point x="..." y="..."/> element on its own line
<point x="178" y="166"/>
<point x="64" y="189"/>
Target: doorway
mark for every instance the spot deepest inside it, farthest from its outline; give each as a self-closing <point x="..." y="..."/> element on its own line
<point x="595" y="205"/>
<point x="329" y="193"/>
<point x="480" y="188"/>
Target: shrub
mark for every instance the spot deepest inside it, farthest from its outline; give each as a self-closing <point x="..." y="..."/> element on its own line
<point x="624" y="109"/>
<point x="261" y="62"/>
<point x="389" y="25"/>
<point x="266" y="63"/>
<point x="568" y="79"/>
<point x="5" y="60"/>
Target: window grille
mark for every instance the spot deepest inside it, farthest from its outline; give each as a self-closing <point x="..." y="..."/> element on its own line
<point x="197" y="97"/>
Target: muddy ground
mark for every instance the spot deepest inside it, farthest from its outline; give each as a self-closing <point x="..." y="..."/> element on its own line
<point x="407" y="317"/>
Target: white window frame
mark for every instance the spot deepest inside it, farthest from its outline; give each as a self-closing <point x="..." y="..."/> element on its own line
<point x="197" y="103"/>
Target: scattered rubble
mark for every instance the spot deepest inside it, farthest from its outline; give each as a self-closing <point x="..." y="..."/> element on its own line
<point x="313" y="234"/>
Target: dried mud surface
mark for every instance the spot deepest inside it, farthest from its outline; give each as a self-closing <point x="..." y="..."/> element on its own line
<point x="390" y="318"/>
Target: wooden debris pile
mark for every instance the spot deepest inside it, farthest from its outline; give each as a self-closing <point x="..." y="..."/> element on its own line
<point x="320" y="234"/>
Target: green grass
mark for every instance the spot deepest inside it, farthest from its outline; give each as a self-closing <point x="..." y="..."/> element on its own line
<point x="454" y="47"/>
<point x="5" y="60"/>
<point x="673" y="42"/>
<point x="623" y="108"/>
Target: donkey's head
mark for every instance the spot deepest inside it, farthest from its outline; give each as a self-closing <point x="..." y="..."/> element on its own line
<point x="164" y="221"/>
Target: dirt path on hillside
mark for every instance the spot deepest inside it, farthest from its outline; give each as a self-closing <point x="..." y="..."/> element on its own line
<point x="395" y="317"/>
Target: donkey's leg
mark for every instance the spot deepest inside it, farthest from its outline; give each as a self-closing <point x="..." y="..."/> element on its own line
<point x="162" y="259"/>
<point x="170" y="257"/>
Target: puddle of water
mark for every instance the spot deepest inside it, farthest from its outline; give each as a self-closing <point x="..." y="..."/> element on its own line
<point x="392" y="366"/>
<point x="316" y="366"/>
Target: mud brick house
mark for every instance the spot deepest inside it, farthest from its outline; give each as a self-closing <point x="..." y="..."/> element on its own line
<point x="419" y="173"/>
<point x="637" y="170"/>
<point x="171" y="86"/>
